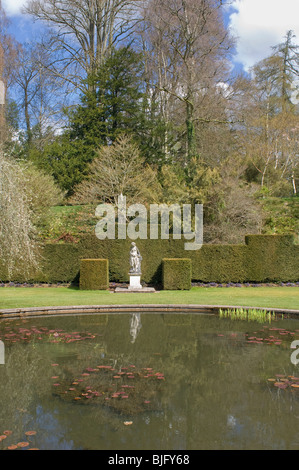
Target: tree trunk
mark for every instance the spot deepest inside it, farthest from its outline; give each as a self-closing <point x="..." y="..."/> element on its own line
<point x="27" y="117"/>
<point x="294" y="184"/>
<point x="191" y="141"/>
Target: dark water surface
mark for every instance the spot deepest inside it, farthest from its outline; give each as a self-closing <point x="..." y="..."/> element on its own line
<point x="148" y="381"/>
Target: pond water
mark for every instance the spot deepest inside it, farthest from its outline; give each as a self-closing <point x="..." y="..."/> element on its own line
<point x="148" y="381"/>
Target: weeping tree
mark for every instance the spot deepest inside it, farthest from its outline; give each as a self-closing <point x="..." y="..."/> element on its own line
<point x="19" y="251"/>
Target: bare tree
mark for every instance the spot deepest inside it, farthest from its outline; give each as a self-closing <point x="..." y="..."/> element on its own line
<point x="187" y="46"/>
<point x="38" y="93"/>
<point x="118" y="169"/>
<point x="269" y="134"/>
<point x="7" y="68"/>
<point x="83" y="32"/>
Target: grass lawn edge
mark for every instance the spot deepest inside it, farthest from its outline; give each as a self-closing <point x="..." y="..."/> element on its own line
<point x="21" y="300"/>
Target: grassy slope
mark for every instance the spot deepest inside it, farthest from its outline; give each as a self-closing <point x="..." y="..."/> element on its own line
<point x="271" y="297"/>
<point x="69" y="220"/>
<point x="281" y="216"/>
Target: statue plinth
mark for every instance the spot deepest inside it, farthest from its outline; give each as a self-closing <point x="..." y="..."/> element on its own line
<point x="135" y="281"/>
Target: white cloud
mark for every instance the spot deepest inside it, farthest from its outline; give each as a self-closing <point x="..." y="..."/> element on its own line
<point x="13" y="7"/>
<point x="260" y="24"/>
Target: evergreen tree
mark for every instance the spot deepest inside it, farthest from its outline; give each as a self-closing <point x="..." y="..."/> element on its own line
<point x="110" y="106"/>
<point x="66" y="160"/>
<point x="278" y="72"/>
<point x="113" y="104"/>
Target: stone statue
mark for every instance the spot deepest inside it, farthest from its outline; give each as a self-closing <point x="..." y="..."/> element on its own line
<point x="135" y="259"/>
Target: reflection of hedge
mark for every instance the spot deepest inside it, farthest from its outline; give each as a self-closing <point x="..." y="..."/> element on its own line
<point x="176" y="274"/>
<point x="262" y="258"/>
<point x="94" y="274"/>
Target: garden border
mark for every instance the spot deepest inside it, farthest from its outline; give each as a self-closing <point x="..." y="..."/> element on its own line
<point x="145" y="308"/>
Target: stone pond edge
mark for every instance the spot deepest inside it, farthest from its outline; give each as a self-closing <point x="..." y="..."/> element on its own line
<point x="144" y="308"/>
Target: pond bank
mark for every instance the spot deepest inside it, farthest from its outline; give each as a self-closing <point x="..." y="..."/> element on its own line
<point x="143" y="308"/>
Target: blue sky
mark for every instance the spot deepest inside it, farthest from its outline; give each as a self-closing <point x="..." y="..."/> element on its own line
<point x="260" y="24"/>
<point x="257" y="24"/>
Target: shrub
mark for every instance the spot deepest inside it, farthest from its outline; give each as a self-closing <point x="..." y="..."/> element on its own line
<point x="176" y="274"/>
<point x="94" y="274"/>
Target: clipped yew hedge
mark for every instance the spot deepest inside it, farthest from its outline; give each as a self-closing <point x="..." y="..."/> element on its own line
<point x="94" y="274"/>
<point x="176" y="273"/>
<point x="272" y="257"/>
<point x="262" y="258"/>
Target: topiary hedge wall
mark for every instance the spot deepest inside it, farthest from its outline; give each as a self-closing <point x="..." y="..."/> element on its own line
<point x="176" y="273"/>
<point x="262" y="258"/>
<point x="94" y="274"/>
<point x="272" y="258"/>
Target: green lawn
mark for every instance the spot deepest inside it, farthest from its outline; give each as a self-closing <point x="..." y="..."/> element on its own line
<point x="271" y="297"/>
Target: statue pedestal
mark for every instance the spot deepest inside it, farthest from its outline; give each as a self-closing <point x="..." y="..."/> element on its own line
<point x="135" y="281"/>
<point x="135" y="285"/>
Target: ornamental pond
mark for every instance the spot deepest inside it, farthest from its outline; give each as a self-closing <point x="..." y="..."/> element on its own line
<point x="148" y="381"/>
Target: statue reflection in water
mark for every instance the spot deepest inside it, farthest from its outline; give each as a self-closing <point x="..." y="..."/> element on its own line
<point x="135" y="326"/>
